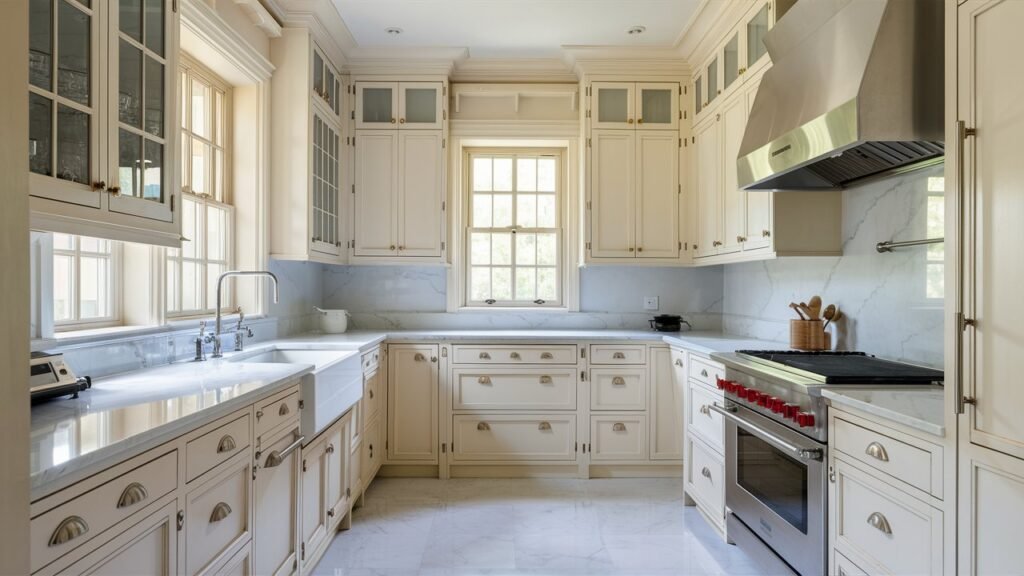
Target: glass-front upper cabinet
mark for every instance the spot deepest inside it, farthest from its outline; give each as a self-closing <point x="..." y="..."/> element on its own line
<point x="731" y="69"/>
<point x="65" y="112"/>
<point x="757" y="25"/>
<point x="698" y="94"/>
<point x="326" y="186"/>
<point x="405" y="105"/>
<point x="711" y="77"/>
<point x="613" y="105"/>
<point x="635" y="105"/>
<point x="657" y="105"/>
<point x="141" y="129"/>
<point x="326" y="82"/>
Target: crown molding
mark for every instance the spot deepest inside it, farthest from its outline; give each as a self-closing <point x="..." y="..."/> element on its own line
<point x="378" y="61"/>
<point x="205" y="23"/>
<point x="513" y="70"/>
<point x="625" y="60"/>
<point x="260" y="17"/>
<point x="708" y="27"/>
<point x="321" y="18"/>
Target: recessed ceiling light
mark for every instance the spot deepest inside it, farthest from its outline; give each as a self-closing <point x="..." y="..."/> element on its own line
<point x="393" y="31"/>
<point x="634" y="30"/>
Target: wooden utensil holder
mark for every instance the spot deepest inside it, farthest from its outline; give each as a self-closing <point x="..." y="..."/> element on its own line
<point x="808" y="335"/>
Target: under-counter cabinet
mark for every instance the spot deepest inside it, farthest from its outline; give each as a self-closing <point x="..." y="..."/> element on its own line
<point x="102" y="80"/>
<point x="276" y="509"/>
<point x="413" y="404"/>
<point x="703" y="434"/>
<point x="307" y="180"/>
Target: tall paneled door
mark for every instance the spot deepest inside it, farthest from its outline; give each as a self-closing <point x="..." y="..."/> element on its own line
<point x="413" y="388"/>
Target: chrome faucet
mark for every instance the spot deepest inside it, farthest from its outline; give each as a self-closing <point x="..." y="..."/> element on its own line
<point x="220" y="283"/>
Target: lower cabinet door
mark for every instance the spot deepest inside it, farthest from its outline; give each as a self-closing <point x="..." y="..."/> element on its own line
<point x="372" y="454"/>
<point x="705" y="479"/>
<point x="149" y="547"/>
<point x="665" y="408"/>
<point x="315" y="468"/>
<point x="514" y="437"/>
<point x="337" y="477"/>
<point x="240" y="564"/>
<point x="276" y="514"/>
<point x="618" y="437"/>
<point x="218" y="517"/>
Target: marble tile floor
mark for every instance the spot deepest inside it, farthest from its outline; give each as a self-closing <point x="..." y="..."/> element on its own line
<point x="462" y="527"/>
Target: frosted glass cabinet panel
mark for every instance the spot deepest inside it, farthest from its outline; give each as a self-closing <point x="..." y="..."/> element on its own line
<point x="404" y="105"/>
<point x="731" y="61"/>
<point x="658" y="106"/>
<point x="757" y="28"/>
<point x="613" y="105"/>
<point x="634" y="105"/>
<point x="420" y="103"/>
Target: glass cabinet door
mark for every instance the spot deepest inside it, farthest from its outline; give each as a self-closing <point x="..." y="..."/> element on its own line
<point x="326" y="186"/>
<point x="731" y="61"/>
<point x="698" y="95"/>
<point x="326" y="84"/>
<point x="141" y="135"/>
<point x="64" y="120"/>
<point x="657" y="105"/>
<point x="613" y="105"/>
<point x="711" y="76"/>
<point x="421" y="105"/>
<point x="377" y="105"/>
<point x="757" y="26"/>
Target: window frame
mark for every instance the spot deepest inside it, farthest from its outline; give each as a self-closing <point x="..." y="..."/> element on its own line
<point x="115" y="286"/>
<point x="560" y="231"/>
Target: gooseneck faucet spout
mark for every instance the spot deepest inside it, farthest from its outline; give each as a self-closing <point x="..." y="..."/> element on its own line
<point x="220" y="284"/>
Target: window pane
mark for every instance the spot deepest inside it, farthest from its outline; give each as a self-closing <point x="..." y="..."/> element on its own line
<point x="547" y="214"/>
<point x="72" y="145"/>
<point x="154" y="97"/>
<point x="153" y="178"/>
<point x="73" y="72"/>
<point x="547" y="284"/>
<point x="63" y="287"/>
<point x="480" y="284"/>
<point x="94" y="276"/>
<point x="173" y="277"/>
<point x="155" y="26"/>
<point x="501" y="283"/>
<point x="216" y="229"/>
<point x="547" y="249"/>
<point x="501" y="249"/>
<point x="190" y="288"/>
<point x="129" y="102"/>
<point x="526" y="249"/>
<point x="218" y="175"/>
<point x="503" y="174"/>
<point x="482" y="211"/>
<point x="200" y="107"/>
<point x="502" y="210"/>
<point x="213" y="271"/>
<point x="526" y="210"/>
<point x="93" y="245"/>
<point x="129" y="162"/>
<point x="220" y="119"/>
<point x="130" y="18"/>
<point x="63" y="242"/>
<point x="200" y="167"/>
<point x="40" y="43"/>
<point x="546" y="175"/>
<point x="189" y="228"/>
<point x="526" y="175"/>
<point x="526" y="283"/>
<point x="184" y="99"/>
<point x="480" y="248"/>
<point x="482" y="174"/>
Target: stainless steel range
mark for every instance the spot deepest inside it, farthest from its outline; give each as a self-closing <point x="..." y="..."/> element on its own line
<point x="776" y="441"/>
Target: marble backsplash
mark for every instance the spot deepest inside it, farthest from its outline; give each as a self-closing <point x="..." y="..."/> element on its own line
<point x="885" y="298"/>
<point x="414" y="298"/>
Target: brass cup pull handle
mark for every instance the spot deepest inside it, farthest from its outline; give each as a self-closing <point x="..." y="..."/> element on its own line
<point x="484" y="380"/>
<point x="544" y="426"/>
<point x="419" y="357"/>
<point x="485" y="356"/>
<point x="679" y="362"/>
<point x="618" y="381"/>
<point x="618" y="427"/>
<point x="70" y="528"/>
<point x="330" y="449"/>
<point x="515" y="356"/>
<point x="706" y="473"/>
<point x="545" y="379"/>
<point x="132" y="495"/>
<point x="619" y="356"/>
<point x="226" y="444"/>
<point x="879" y="522"/>
<point x="283" y="410"/>
<point x="877" y="451"/>
<point x="220" y="512"/>
<point x="547" y="356"/>
<point x="483" y="426"/>
<point x="704" y="373"/>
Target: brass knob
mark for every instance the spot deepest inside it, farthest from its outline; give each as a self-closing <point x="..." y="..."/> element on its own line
<point x="392" y="120"/>
<point x="630" y="248"/>
<point x="400" y="248"/>
<point x="706" y="473"/>
<point x="515" y="356"/>
<point x="640" y="249"/>
<point x="629" y="120"/>
<point x="741" y="239"/>
<point x="639" y="120"/>
<point x="392" y="247"/>
<point x="766" y="233"/>
<point x="485" y="356"/>
<point x="114" y="190"/>
<point x="370" y="392"/>
<point x="716" y="243"/>
<point x="99" y="185"/>
<point x="401" y="121"/>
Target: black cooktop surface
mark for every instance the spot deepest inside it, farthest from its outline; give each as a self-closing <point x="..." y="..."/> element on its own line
<point x="848" y="367"/>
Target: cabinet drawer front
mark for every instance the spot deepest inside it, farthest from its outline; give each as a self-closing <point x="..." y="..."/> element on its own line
<point x="905" y="462"/>
<point x="64" y="528"/>
<point x="215" y="447"/>
<point x="705" y="371"/>
<point x="881" y="523"/>
<point x="533" y="389"/>
<point x="355" y="430"/>
<point x="622" y="437"/>
<point x="515" y="437"/>
<point x="554" y="354"/>
<point x="618" y="389"/>
<point x="843" y="566"/>
<point x="618" y="354"/>
<point x="371" y="360"/>
<point x="217" y="517"/>
<point x="704" y="421"/>
<point x="276" y="412"/>
<point x="707" y="476"/>
<point x="372" y="399"/>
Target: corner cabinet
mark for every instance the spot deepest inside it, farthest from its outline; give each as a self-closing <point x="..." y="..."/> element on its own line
<point x="399" y="181"/>
<point x="102" y="119"/>
<point x="307" y="151"/>
<point x="633" y="201"/>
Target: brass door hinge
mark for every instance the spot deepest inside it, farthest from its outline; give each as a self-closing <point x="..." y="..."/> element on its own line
<point x="303" y="550"/>
<point x="181" y="520"/>
<point x="588" y="143"/>
<point x="303" y="465"/>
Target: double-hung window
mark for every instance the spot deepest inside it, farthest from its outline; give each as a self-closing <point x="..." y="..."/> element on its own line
<point x="207" y="214"/>
<point x="514" y="235"/>
<point x="85" y="282"/>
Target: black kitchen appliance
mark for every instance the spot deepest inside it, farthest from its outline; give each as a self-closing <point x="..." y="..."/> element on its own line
<point x="50" y="377"/>
<point x="667" y="323"/>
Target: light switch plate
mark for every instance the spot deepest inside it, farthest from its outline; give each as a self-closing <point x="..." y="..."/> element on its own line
<point x="650" y="302"/>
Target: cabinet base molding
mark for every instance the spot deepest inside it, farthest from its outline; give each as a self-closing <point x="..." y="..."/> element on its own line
<point x="409" y="471"/>
<point x="673" y="470"/>
<point x="515" y="471"/>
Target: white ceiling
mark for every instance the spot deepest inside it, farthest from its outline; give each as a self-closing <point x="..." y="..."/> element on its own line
<point x="515" y="28"/>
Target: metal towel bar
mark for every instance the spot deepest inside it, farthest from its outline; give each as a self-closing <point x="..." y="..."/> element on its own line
<point x="889" y="246"/>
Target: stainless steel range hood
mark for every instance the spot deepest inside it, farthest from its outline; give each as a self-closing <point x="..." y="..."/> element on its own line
<point x="855" y="90"/>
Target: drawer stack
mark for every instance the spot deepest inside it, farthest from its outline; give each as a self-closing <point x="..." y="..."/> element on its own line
<point x="618" y="403"/>
<point x="704" y="466"/>
<point x="514" y="403"/>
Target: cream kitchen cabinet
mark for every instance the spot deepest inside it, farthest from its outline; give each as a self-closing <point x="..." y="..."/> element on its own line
<point x="276" y="509"/>
<point x="635" y="105"/>
<point x="413" y="404"/>
<point x="666" y="414"/>
<point x="399" y="195"/>
<point x="218" y="515"/>
<point x="306" y="203"/>
<point x="400" y="105"/>
<point x="314" y="522"/>
<point x="707" y="139"/>
<point x="102" y="119"/>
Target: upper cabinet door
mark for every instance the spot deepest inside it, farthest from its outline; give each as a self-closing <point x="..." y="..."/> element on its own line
<point x="758" y="204"/>
<point x="326" y="175"/>
<point x="657" y="194"/>
<point x="142" y="128"/>
<point x="709" y="197"/>
<point x="613" y="105"/>
<point x="733" y="122"/>
<point x="326" y="83"/>
<point x="756" y="25"/>
<point x="377" y="105"/>
<point x="698" y="94"/>
<point x="731" y="69"/>
<point x="421" y="105"/>
<point x="711" y="76"/>
<point x="657" y="106"/>
<point x="376" y="194"/>
<point x="65" y="114"/>
<point x="421" y="193"/>
<point x="612" y="167"/>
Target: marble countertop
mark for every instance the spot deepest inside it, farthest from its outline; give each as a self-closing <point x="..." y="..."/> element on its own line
<point x="920" y="407"/>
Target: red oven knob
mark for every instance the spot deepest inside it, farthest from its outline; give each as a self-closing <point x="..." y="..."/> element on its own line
<point x="790" y="410"/>
<point x="739" y="389"/>
<point x="721" y="382"/>
<point x="805" y="419"/>
<point x="764" y="400"/>
<point x="754" y="397"/>
<point x="776" y="405"/>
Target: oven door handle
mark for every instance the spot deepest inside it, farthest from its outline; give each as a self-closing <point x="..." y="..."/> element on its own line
<point x="780" y="443"/>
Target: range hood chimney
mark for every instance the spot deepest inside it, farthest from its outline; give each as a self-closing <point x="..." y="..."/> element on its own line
<point x="855" y="90"/>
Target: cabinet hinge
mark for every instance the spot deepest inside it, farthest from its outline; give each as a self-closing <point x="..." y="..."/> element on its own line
<point x="352" y="243"/>
<point x="588" y="90"/>
<point x="353" y="140"/>
<point x="590" y="205"/>
<point x="680" y="245"/>
<point x="588" y="245"/>
<point x="174" y="6"/>
<point x="442" y="245"/>
<point x="172" y="202"/>
<point x="444" y="352"/>
<point x="303" y="550"/>
<point x="353" y="115"/>
<point x="444" y="142"/>
<point x="685" y="88"/>
<point x="303" y="465"/>
<point x="588" y="142"/>
<point x="680" y="142"/>
<point x="302" y="404"/>
<point x="583" y="351"/>
<point x="353" y="188"/>
<point x="963" y="322"/>
<point x="684" y="114"/>
<point x="680" y="89"/>
<point x="680" y="189"/>
<point x="583" y="376"/>
<point x="181" y="520"/>
<point x="444" y="448"/>
<point x="444" y="114"/>
<point x="444" y="204"/>
<point x="588" y="113"/>
<point x="576" y="447"/>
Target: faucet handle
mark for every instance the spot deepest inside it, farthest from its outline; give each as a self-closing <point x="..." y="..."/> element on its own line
<point x="202" y="328"/>
<point x="241" y="316"/>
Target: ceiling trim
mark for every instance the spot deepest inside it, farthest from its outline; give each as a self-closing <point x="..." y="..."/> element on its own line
<point x="321" y="17"/>
<point x="260" y="17"/>
<point x="627" y="60"/>
<point x="406" y="60"/>
<point x="708" y="28"/>
<point x="513" y="70"/>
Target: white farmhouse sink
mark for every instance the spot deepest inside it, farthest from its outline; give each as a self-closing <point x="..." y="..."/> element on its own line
<point x="335" y="385"/>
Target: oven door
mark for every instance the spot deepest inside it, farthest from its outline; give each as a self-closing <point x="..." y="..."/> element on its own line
<point x="775" y="482"/>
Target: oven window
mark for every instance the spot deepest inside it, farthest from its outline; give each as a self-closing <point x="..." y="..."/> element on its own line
<point x="778" y="481"/>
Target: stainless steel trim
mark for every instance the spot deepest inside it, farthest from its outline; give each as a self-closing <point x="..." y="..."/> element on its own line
<point x="780" y="443"/>
<point x="275" y="458"/>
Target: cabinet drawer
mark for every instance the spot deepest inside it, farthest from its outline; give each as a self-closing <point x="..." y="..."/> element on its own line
<point x="219" y="445"/>
<point x="881" y="523"/>
<point x="355" y="430"/>
<point x="66" y="527"/>
<point x="277" y="411"/>
<point x="531" y="389"/>
<point x="706" y="371"/>
<point x="618" y="389"/>
<point x="916" y="466"/>
<point x="704" y="421"/>
<point x="514" y="437"/>
<point x="618" y="354"/>
<point x="706" y="474"/>
<point x="373" y="451"/>
<point x="843" y="566"/>
<point x="217" y="517"/>
<point x="618" y="437"/>
<point x="371" y="360"/>
<point x="372" y="398"/>
<point x="554" y="354"/>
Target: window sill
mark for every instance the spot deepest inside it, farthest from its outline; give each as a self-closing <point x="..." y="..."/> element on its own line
<point x="95" y="335"/>
<point x="542" y="309"/>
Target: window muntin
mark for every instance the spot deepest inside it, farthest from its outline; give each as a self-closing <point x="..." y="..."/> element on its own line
<point x="514" y="236"/>
<point x="85" y="282"/>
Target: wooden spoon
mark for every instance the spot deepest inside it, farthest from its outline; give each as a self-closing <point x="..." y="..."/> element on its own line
<point x="815" y="306"/>
<point x="806" y="310"/>
<point x="836" y="316"/>
<point x="794" y="306"/>
<point x="829" y="314"/>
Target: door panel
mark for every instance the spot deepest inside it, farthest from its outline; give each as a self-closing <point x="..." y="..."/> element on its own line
<point x="315" y="468"/>
<point x="275" y="534"/>
<point x="758" y="204"/>
<point x="376" y="197"/>
<point x="413" y="403"/>
<point x="611" y="183"/>
<point x="613" y="106"/>
<point x="657" y="194"/>
<point x="657" y="106"/>
<point x="665" y="407"/>
<point x="421" y="166"/>
<point x="709" y="200"/>
<point x="734" y="121"/>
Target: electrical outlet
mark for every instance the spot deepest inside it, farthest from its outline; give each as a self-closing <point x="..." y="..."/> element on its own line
<point x="650" y="302"/>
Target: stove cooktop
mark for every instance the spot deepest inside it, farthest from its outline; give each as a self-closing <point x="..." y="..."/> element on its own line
<point x="832" y="367"/>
